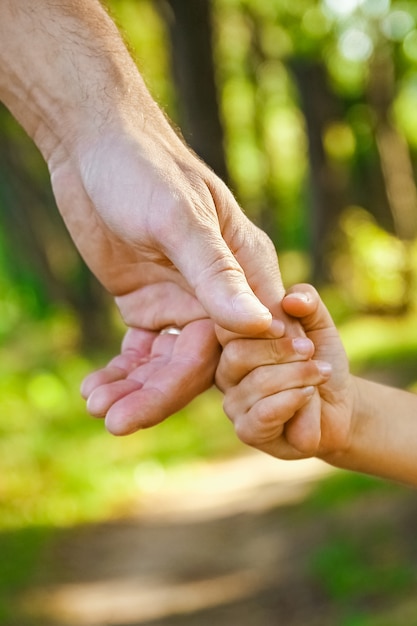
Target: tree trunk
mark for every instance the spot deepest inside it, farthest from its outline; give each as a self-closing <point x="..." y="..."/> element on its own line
<point x="38" y="249"/>
<point x="393" y="151"/>
<point x="190" y="32"/>
<point x="327" y="188"/>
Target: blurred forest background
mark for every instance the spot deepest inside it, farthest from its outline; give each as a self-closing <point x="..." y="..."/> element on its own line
<point x="307" y="109"/>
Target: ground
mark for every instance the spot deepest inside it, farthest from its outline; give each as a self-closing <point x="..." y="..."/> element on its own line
<point x="250" y="541"/>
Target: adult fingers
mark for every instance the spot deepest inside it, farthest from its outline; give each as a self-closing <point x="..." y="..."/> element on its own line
<point x="257" y="256"/>
<point x="136" y="347"/>
<point x="111" y="391"/>
<point x="187" y="370"/>
<point x="222" y="287"/>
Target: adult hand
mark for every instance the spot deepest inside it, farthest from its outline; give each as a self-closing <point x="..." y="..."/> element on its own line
<point x="131" y="193"/>
<point x="137" y="240"/>
<point x="154" y="376"/>
<point x="150" y="291"/>
<point x="141" y="208"/>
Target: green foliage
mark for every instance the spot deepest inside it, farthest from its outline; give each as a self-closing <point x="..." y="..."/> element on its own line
<point x="375" y="269"/>
<point x="60" y="467"/>
<point x="365" y="570"/>
<point x="343" y="488"/>
<point x="346" y="568"/>
<point x="21" y="554"/>
<point x="265" y="136"/>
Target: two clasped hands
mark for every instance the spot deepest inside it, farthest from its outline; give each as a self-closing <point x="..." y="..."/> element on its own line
<point x="166" y="237"/>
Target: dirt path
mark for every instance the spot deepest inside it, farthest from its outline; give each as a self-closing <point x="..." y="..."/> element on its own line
<point x="232" y="544"/>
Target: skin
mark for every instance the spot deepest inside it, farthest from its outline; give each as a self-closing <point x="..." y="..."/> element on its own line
<point x="364" y="426"/>
<point x="160" y="231"/>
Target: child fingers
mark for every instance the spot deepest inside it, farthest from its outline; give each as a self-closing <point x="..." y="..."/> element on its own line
<point x="262" y="426"/>
<point x="242" y="356"/>
<point x="303" y="301"/>
<point x="303" y="431"/>
<point x="269" y="380"/>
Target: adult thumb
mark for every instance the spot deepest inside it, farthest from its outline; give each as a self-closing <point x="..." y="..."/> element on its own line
<point x="221" y="286"/>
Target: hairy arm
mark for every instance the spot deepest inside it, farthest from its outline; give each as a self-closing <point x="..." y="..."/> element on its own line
<point x="140" y="206"/>
<point x="156" y="226"/>
<point x="66" y="71"/>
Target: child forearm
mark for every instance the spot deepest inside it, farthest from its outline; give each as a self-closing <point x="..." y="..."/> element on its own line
<point x="384" y="433"/>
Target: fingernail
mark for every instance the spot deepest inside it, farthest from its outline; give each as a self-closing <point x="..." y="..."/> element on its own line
<point x="303" y="346"/>
<point x="277" y="329"/>
<point x="308" y="391"/>
<point x="324" y="368"/>
<point x="304" y="297"/>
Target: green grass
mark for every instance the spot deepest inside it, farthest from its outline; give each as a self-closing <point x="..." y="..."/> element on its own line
<point x="344" y="487"/>
<point x="58" y="466"/>
<point x="366" y="571"/>
<point x="21" y="552"/>
<point x="351" y="567"/>
<point x="61" y="467"/>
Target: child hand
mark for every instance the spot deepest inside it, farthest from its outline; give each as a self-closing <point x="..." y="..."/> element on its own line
<point x="268" y="380"/>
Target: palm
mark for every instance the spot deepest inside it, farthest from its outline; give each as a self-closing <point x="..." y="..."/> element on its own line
<point x="154" y="376"/>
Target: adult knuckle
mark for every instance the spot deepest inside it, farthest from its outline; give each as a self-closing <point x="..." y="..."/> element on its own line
<point x="170" y="204"/>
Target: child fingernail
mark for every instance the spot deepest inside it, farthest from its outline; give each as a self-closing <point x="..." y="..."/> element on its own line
<point x="299" y="296"/>
<point x="303" y="346"/>
<point x="308" y="391"/>
<point x="324" y="368"/>
<point x="277" y="328"/>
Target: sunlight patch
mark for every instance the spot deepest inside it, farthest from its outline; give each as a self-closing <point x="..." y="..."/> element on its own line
<point x="127" y="601"/>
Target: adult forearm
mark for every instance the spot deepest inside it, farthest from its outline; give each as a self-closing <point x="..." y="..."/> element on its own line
<point x="384" y="437"/>
<point x="65" y="72"/>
